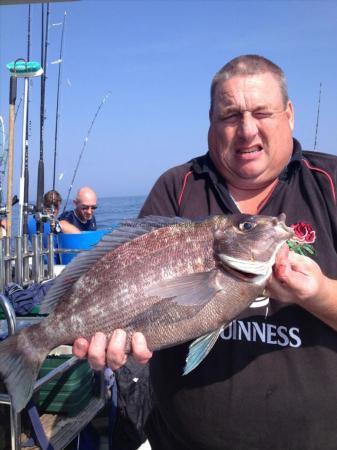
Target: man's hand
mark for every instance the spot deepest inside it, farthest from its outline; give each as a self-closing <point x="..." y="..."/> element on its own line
<point x="296" y="278"/>
<point x="67" y="227"/>
<point x="102" y="353"/>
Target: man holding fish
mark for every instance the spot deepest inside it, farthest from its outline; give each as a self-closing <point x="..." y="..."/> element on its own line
<point x="270" y="381"/>
<point x="245" y="322"/>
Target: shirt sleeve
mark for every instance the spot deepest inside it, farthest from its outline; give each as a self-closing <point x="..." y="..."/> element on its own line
<point x="163" y="198"/>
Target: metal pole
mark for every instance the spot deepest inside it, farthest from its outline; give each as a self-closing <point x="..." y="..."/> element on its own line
<point x="2" y="264"/>
<point x="18" y="260"/>
<point x="51" y="255"/>
<point x="25" y="258"/>
<point x="8" y="261"/>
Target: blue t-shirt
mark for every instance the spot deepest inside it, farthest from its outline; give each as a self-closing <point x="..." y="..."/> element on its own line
<point x="70" y="216"/>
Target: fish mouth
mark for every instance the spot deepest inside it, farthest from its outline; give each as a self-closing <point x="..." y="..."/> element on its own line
<point x="256" y="272"/>
<point x="249" y="271"/>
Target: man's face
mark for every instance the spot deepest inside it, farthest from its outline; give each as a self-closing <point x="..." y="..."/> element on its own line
<point x="250" y="137"/>
<point x="54" y="209"/>
<point x="85" y="207"/>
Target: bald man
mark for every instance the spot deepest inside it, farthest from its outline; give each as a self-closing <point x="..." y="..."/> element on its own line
<point x="82" y="216"/>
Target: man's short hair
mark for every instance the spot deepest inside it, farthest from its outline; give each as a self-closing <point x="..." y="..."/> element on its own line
<point x="52" y="198"/>
<point x="246" y="65"/>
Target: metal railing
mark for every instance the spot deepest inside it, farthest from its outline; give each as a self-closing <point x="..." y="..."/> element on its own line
<point x="25" y="262"/>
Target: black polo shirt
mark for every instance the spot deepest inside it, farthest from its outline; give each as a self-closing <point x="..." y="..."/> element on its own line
<point x="270" y="382"/>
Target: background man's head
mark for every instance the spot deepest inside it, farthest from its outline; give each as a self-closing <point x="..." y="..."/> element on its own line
<point x="85" y="203"/>
<point x="52" y="201"/>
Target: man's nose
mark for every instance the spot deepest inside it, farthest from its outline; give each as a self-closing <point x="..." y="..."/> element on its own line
<point x="247" y="128"/>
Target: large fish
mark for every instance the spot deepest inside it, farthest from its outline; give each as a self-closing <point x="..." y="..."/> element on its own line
<point x="173" y="280"/>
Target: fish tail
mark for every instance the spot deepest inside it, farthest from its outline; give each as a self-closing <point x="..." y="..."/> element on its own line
<point x="19" y="369"/>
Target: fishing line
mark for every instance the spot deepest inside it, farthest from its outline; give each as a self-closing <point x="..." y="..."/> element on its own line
<point x="18" y="107"/>
<point x="58" y="98"/>
<point x="318" y="108"/>
<point x="106" y="96"/>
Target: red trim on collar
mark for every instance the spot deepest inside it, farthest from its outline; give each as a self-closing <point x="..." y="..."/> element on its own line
<point x="265" y="200"/>
<point x="317" y="169"/>
<point x="180" y="198"/>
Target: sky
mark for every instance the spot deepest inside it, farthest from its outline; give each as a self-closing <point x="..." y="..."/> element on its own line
<point x="156" y="59"/>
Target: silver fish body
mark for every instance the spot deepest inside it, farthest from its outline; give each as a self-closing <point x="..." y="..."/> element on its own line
<point x="172" y="281"/>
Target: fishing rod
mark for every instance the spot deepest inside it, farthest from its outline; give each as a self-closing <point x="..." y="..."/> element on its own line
<point x="58" y="98"/>
<point x="318" y="108"/>
<point x="35" y="70"/>
<point x="104" y="99"/>
<point x="12" y="100"/>
<point x="25" y="174"/>
<point x="40" y="171"/>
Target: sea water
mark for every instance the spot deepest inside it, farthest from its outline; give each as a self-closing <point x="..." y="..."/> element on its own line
<point x="110" y="210"/>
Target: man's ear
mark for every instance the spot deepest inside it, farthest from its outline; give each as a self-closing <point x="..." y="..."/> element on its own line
<point x="290" y="114"/>
<point x="211" y="137"/>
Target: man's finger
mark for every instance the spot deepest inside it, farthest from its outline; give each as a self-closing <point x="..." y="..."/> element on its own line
<point x="115" y="354"/>
<point x="97" y="351"/>
<point x="140" y="349"/>
<point x="80" y="348"/>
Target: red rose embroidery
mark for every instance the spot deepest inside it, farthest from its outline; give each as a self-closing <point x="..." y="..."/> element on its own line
<point x="304" y="233"/>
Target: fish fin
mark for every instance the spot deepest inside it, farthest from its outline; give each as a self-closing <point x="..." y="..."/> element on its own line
<point x="18" y="371"/>
<point x="126" y="231"/>
<point x="199" y="349"/>
<point x="188" y="290"/>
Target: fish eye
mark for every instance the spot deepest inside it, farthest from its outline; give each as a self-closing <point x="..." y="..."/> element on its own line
<point x="246" y="226"/>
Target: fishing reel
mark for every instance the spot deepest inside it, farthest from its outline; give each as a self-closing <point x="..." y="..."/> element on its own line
<point x="41" y="216"/>
<point x="3" y="209"/>
<point x="48" y="215"/>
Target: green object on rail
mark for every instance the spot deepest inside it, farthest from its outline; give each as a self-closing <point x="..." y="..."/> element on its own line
<point x="21" y="68"/>
<point x="34" y="312"/>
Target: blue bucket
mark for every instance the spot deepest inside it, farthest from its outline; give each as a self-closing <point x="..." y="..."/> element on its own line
<point x="81" y="241"/>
